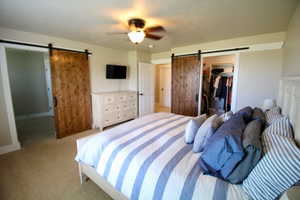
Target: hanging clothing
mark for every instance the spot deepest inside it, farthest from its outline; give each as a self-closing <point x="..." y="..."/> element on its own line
<point x="216" y="85"/>
<point x="222" y="88"/>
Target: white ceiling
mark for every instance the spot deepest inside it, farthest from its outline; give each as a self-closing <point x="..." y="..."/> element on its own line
<point x="186" y="21"/>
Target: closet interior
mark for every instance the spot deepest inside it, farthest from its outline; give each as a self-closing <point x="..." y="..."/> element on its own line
<point x="217" y="83"/>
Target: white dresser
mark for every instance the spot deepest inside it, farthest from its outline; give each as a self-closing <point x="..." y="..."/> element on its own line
<point x="113" y="107"/>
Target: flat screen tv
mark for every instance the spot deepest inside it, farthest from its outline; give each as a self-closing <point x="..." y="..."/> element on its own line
<point x="116" y="72"/>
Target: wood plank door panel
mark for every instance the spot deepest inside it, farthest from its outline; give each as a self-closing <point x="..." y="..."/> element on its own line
<point x="185" y="85"/>
<point x="71" y="91"/>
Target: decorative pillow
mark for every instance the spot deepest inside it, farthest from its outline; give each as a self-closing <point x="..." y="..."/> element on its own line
<point x="205" y="131"/>
<point x="247" y="113"/>
<point x="192" y="128"/>
<point x="273" y="114"/>
<point x="259" y="114"/>
<point x="224" y="149"/>
<point x="226" y="116"/>
<point x="277" y="171"/>
<point x="281" y="127"/>
<point x="253" y="152"/>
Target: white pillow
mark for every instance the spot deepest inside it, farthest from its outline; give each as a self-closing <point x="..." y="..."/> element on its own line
<point x="192" y="128"/>
<point x="205" y="131"/>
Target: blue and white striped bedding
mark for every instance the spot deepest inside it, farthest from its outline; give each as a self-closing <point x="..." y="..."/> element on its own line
<point x="147" y="158"/>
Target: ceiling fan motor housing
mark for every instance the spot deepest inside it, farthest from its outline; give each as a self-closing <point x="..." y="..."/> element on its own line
<point x="137" y="23"/>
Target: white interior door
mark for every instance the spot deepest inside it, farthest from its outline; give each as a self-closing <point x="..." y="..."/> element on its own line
<point x="165" y="86"/>
<point x="146" y="88"/>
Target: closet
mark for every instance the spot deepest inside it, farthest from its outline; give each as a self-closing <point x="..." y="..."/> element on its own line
<point x="217" y="83"/>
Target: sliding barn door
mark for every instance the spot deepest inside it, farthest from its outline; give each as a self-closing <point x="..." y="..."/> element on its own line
<point x="71" y="92"/>
<point x="185" y="84"/>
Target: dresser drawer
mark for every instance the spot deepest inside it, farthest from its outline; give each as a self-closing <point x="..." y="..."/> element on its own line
<point x="108" y="120"/>
<point x="109" y="108"/>
<point x="132" y="96"/>
<point x="130" y="114"/>
<point x="108" y="99"/>
<point x="121" y="97"/>
<point x="132" y="104"/>
<point x="125" y="106"/>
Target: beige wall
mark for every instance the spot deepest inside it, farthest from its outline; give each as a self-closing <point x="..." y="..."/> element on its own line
<point x="291" y="61"/>
<point x="27" y="81"/>
<point x="4" y="128"/>
<point x="254" y="67"/>
<point x="134" y="57"/>
<point x="101" y="56"/>
<point x="222" y="44"/>
<point x="259" y="76"/>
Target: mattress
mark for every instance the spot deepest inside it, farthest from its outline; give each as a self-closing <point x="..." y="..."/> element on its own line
<point x="147" y="158"/>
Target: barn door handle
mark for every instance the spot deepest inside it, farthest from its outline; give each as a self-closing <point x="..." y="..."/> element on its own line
<point x="55" y="102"/>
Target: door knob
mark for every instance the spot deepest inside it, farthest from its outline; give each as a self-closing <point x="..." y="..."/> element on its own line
<point x="141" y="94"/>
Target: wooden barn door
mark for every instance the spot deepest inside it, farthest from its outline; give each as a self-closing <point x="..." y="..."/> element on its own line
<point x="71" y="92"/>
<point x="185" y="84"/>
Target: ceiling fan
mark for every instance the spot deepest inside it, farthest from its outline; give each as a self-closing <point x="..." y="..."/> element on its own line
<point x="137" y="31"/>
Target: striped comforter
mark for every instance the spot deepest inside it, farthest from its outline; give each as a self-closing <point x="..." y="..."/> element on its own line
<point x="147" y="158"/>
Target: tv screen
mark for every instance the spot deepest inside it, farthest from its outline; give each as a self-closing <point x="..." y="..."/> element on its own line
<point x="116" y="72"/>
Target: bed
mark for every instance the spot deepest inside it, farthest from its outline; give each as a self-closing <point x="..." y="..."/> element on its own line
<point x="147" y="158"/>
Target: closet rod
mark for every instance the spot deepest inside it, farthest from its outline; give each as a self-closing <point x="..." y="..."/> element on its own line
<point x="215" y="51"/>
<point x="43" y="46"/>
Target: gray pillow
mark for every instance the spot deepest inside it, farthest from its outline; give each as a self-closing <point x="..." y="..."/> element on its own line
<point x="206" y="130"/>
<point x="259" y="114"/>
<point x="246" y="112"/>
<point x="192" y="128"/>
<point x="253" y="152"/>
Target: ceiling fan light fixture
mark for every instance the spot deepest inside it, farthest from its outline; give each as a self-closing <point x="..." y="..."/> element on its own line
<point x="137" y="36"/>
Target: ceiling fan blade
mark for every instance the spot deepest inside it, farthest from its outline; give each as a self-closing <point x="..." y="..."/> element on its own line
<point x="155" y="29"/>
<point x="153" y="37"/>
<point x="116" y="33"/>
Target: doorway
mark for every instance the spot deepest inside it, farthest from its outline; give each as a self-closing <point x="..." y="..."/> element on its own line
<point x="163" y="78"/>
<point x="30" y="85"/>
<point x="218" y="84"/>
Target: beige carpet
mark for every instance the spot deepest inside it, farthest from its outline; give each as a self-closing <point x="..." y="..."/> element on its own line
<point x="45" y="169"/>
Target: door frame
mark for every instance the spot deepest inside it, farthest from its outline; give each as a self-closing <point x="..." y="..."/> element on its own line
<point x="7" y="94"/>
<point x="163" y="68"/>
<point x="235" y="78"/>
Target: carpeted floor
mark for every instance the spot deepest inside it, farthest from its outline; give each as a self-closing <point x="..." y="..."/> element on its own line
<point x="45" y="169"/>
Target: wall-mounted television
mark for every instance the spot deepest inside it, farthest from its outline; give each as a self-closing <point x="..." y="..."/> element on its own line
<point x="116" y="72"/>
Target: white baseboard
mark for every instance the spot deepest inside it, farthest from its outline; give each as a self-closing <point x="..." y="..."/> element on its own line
<point x="10" y="148"/>
<point x="34" y="115"/>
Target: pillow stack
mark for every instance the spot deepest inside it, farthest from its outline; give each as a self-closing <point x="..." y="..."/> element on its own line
<point x="279" y="169"/>
<point x="200" y="129"/>
<point x="224" y="149"/>
<point x="235" y="148"/>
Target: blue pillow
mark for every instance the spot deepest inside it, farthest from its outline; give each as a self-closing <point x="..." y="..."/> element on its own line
<point x="246" y="112"/>
<point x="253" y="152"/>
<point x="224" y="149"/>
